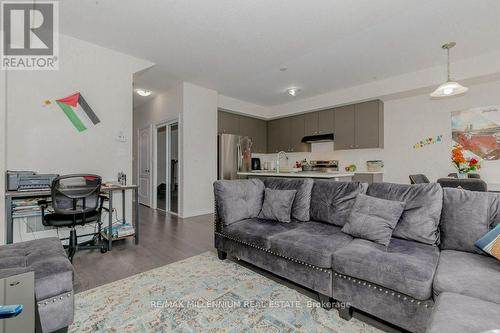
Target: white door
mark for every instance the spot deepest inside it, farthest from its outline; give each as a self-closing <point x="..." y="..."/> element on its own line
<point x="144" y="166"/>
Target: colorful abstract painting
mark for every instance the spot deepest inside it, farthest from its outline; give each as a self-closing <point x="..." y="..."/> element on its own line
<point x="477" y="130"/>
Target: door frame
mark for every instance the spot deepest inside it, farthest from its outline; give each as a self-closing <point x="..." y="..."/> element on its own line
<point x="168" y="124"/>
<point x="150" y="159"/>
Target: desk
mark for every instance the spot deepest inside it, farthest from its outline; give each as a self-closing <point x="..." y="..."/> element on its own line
<point x="10" y="195"/>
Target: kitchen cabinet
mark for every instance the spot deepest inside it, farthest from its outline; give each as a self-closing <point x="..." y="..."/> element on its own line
<point x="359" y="126"/>
<point x="256" y="129"/>
<point x="311" y="124"/>
<point x="326" y="121"/>
<point x="228" y="123"/>
<point x="273" y="135"/>
<point x="297" y="132"/>
<point x="344" y="127"/>
<point x="369" y="125"/>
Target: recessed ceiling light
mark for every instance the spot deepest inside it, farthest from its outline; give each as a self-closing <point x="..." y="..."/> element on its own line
<point x="143" y="92"/>
<point x="292" y="91"/>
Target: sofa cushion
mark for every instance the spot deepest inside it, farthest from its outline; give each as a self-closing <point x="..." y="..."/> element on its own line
<point x="457" y="313"/>
<point x="404" y="266"/>
<point x="331" y="201"/>
<point x="47" y="258"/>
<point x="468" y="274"/>
<point x="257" y="231"/>
<point x="373" y="219"/>
<point x="312" y="242"/>
<point x="237" y="200"/>
<point x="467" y="216"/>
<point x="420" y="218"/>
<point x="302" y="201"/>
<point x="277" y="205"/>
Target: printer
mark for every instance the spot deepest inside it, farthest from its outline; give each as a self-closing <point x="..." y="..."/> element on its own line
<point x="28" y="181"/>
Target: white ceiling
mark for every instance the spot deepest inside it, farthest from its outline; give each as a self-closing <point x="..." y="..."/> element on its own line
<point x="237" y="46"/>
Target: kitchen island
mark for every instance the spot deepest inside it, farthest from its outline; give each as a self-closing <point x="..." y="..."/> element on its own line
<point x="336" y="176"/>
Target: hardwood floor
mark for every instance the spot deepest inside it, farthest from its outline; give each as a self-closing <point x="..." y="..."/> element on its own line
<point x="164" y="239"/>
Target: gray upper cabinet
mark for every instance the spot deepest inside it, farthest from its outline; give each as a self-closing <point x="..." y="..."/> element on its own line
<point x="369" y="123"/>
<point x="344" y="127"/>
<point x="273" y="135"/>
<point x="359" y="126"/>
<point x="285" y="137"/>
<point x="297" y="132"/>
<point x="326" y="121"/>
<point x="311" y="123"/>
<point x="256" y="129"/>
<point x="228" y="123"/>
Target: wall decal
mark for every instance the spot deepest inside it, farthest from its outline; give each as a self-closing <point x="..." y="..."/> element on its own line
<point x="78" y="111"/>
<point x="428" y="141"/>
<point x="477" y="130"/>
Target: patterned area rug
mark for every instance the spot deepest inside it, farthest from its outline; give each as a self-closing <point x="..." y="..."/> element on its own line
<point x="203" y="294"/>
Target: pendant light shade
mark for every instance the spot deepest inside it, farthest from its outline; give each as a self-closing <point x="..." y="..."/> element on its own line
<point x="450" y="87"/>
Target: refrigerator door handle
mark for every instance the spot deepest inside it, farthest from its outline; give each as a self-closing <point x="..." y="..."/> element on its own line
<point x="239" y="157"/>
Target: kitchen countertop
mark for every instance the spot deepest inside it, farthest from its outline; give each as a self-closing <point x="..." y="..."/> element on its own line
<point x="301" y="174"/>
<point x="368" y="172"/>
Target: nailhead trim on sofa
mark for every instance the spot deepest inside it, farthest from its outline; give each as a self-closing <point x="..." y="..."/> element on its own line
<point x="369" y="285"/>
<point x="389" y="292"/>
<point x="55" y="299"/>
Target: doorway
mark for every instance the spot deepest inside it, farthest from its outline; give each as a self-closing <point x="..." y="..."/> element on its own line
<point x="144" y="165"/>
<point x="167" y="167"/>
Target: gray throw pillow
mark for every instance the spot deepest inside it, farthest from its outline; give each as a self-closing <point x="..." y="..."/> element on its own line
<point x="302" y="202"/>
<point x="277" y="205"/>
<point x="373" y="219"/>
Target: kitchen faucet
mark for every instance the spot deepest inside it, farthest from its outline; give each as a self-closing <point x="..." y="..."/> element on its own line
<point x="278" y="157"/>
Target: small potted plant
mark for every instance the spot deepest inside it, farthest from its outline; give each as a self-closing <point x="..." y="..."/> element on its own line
<point x="462" y="164"/>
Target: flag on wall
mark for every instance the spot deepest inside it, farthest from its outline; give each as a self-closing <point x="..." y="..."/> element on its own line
<point x="78" y="111"/>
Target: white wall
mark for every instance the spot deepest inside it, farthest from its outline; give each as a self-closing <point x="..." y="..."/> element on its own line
<point x="41" y="137"/>
<point x="406" y="122"/>
<point x="198" y="156"/>
<point x="242" y="107"/>
<point x="3" y="104"/>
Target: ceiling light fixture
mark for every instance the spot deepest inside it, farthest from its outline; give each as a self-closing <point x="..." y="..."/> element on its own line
<point x="450" y="87"/>
<point x="143" y="92"/>
<point x="292" y="91"/>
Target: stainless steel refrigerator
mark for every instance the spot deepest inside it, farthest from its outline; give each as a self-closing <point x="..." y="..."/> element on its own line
<point x="234" y="154"/>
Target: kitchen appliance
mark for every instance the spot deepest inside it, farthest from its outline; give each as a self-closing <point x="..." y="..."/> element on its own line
<point x="28" y="181"/>
<point x="324" y="165"/>
<point x="234" y="154"/>
<point x="374" y="166"/>
<point x="255" y="163"/>
<point x="318" y="138"/>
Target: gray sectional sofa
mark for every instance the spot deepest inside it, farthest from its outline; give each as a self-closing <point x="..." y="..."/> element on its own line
<point x="53" y="278"/>
<point x="429" y="274"/>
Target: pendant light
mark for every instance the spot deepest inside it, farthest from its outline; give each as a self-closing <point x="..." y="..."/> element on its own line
<point x="450" y="87"/>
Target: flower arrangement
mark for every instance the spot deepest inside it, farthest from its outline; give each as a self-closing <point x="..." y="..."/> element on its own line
<point x="462" y="164"/>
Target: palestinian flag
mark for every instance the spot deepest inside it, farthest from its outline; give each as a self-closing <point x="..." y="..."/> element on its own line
<point x="78" y="111"/>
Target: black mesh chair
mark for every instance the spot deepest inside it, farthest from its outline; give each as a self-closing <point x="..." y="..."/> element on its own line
<point x="469" y="175"/>
<point x="471" y="184"/>
<point x="76" y="201"/>
<point x="419" y="179"/>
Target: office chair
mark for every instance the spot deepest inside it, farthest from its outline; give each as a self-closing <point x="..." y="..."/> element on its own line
<point x="419" y="179"/>
<point x="471" y="184"/>
<point x="76" y="201"/>
<point x="469" y="175"/>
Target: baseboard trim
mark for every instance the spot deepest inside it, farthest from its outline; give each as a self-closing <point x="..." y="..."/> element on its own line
<point x="197" y="213"/>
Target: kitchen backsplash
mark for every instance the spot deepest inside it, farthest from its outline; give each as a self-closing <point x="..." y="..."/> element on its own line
<point x="324" y="151"/>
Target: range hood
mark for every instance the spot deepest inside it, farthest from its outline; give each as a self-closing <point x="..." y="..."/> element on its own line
<point x="318" y="138"/>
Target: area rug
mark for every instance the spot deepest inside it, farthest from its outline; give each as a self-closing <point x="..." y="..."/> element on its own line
<point x="203" y="294"/>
